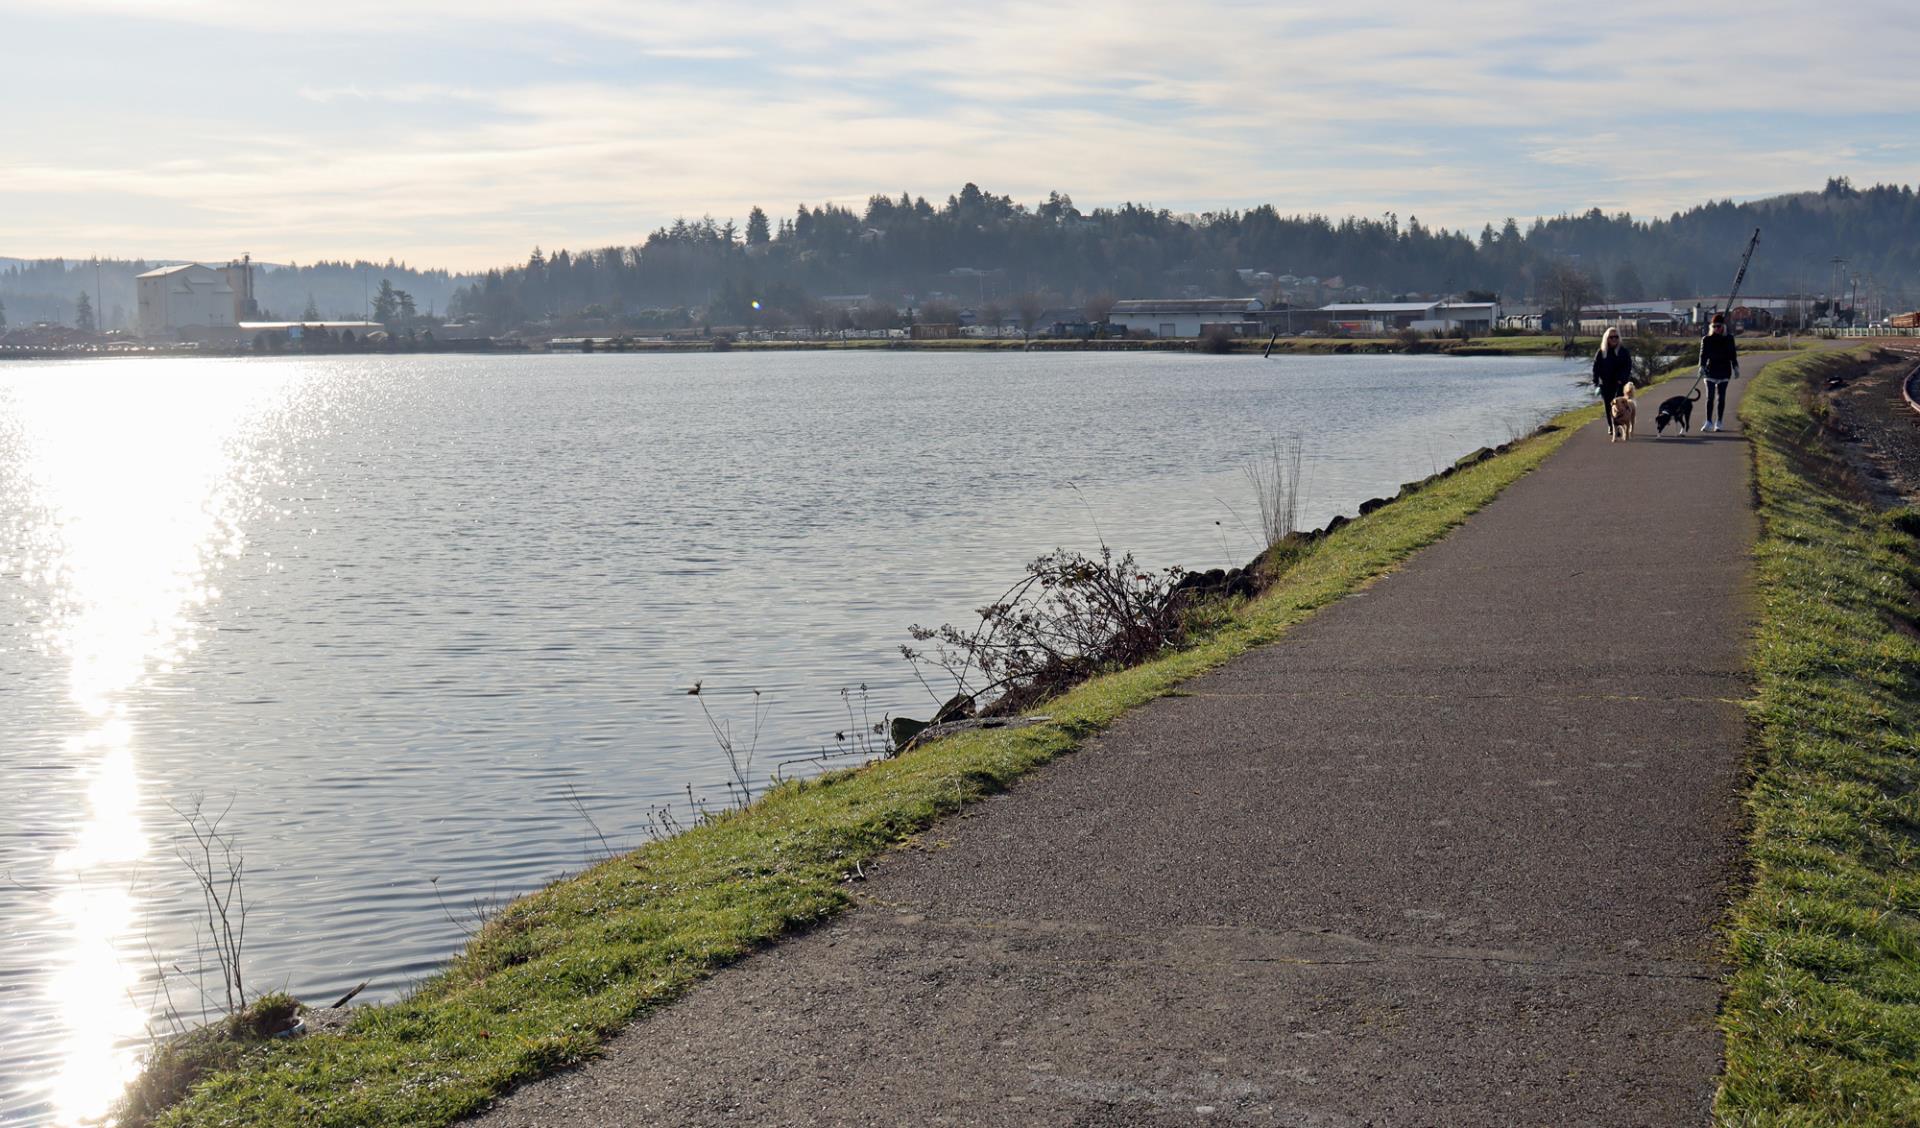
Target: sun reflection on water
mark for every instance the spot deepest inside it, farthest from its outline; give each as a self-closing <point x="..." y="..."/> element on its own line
<point x="140" y="477"/>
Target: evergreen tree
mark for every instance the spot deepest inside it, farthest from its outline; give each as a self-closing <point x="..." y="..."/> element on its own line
<point x="386" y="304"/>
<point x="1627" y="286"/>
<point x="3" y="317"/>
<point x="312" y="312"/>
<point x="757" y="227"/>
<point x="83" y="314"/>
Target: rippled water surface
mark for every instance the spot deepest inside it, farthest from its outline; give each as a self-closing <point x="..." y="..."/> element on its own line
<point x="414" y="627"/>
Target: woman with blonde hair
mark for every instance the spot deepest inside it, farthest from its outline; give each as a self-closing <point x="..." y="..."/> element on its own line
<point x="1612" y="372"/>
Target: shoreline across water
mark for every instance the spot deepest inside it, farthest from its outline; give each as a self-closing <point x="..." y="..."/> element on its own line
<point x="1282" y="346"/>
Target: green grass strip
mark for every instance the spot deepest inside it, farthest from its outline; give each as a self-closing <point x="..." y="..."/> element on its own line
<point x="545" y="982"/>
<point x="1822" y="1017"/>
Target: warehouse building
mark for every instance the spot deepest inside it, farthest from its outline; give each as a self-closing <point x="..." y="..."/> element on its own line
<point x="1187" y="317"/>
<point x="191" y="300"/>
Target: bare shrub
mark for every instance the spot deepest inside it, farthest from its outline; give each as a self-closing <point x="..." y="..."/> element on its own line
<point x="1567" y="288"/>
<point x="181" y="1053"/>
<point x="1274" y="474"/>
<point x="218" y="872"/>
<point x="739" y="753"/>
<point x="1217" y="340"/>
<point x="1029" y="309"/>
<point x="1073" y="616"/>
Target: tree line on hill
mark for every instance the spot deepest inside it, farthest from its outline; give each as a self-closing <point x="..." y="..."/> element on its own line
<point x="827" y="265"/>
<point x="985" y="251"/>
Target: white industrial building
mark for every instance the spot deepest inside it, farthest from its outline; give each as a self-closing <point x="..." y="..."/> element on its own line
<point x="1247" y="317"/>
<point x="1426" y="317"/>
<point x="1186" y="317"/>
<point x="191" y="300"/>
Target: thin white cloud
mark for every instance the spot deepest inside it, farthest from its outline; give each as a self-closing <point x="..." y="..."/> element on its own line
<point x="410" y="93"/>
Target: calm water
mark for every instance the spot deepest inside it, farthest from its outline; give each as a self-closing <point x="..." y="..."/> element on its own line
<point x="404" y="620"/>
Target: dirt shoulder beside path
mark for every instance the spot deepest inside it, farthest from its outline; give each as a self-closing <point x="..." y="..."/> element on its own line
<point x="1876" y="429"/>
<point x="1451" y="852"/>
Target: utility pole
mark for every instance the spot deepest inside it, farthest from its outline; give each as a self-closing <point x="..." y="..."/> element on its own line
<point x="1833" y="293"/>
<point x="99" y="311"/>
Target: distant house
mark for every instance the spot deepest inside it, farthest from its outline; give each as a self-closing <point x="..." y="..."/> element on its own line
<point x="1186" y="317"/>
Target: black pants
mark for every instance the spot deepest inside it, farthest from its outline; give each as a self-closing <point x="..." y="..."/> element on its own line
<point x="1716" y="400"/>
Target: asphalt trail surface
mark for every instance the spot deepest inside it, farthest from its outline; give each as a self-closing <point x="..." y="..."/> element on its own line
<point x="1451" y="853"/>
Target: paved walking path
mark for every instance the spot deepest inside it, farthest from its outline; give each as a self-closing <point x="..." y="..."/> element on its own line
<point x="1450" y="853"/>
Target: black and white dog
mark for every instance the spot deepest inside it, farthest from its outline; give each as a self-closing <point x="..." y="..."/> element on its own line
<point x="1676" y="409"/>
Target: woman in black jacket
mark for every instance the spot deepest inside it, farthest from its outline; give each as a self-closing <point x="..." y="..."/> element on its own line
<point x="1612" y="372"/>
<point x="1719" y="362"/>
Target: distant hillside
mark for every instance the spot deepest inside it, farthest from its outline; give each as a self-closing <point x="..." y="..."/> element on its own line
<point x="978" y="249"/>
<point x="1877" y="232"/>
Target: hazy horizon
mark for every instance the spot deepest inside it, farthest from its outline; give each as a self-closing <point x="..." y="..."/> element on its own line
<point x="459" y="136"/>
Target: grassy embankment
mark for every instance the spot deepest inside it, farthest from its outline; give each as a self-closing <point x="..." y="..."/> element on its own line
<point x="547" y="980"/>
<point x="1823" y="1012"/>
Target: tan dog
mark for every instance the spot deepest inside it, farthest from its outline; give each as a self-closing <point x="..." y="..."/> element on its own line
<point x="1620" y="415"/>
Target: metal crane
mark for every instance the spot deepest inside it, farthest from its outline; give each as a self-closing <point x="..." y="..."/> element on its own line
<point x="1740" y="276"/>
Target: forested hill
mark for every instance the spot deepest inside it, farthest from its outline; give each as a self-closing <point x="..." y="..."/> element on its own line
<point x="980" y="249"/>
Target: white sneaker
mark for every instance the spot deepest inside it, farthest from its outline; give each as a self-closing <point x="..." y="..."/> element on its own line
<point x="1709" y="426"/>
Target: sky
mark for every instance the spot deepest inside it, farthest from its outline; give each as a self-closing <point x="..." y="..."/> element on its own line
<point x="462" y="135"/>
